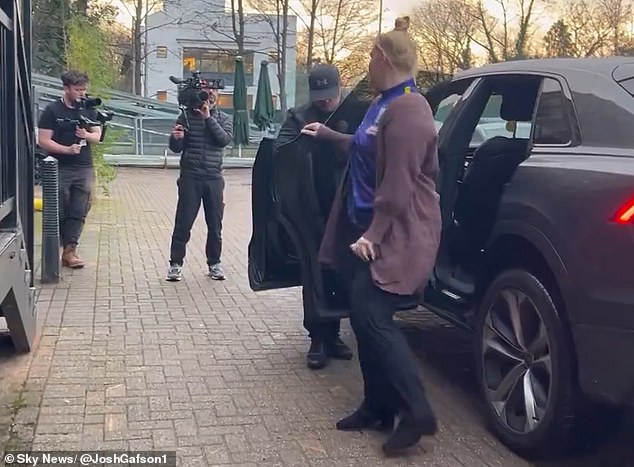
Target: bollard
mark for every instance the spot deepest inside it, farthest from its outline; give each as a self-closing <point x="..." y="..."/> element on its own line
<point x="50" y="221"/>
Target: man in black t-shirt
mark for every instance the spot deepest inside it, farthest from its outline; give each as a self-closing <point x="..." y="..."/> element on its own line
<point x="71" y="146"/>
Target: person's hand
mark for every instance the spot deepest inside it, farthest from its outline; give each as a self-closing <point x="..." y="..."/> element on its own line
<point x="315" y="129"/>
<point x="212" y="100"/>
<point x="205" y="110"/>
<point x="364" y="249"/>
<point x="81" y="132"/>
<point x="178" y="132"/>
<point x="74" y="149"/>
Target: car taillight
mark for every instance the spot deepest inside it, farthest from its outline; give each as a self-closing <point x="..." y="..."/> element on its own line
<point x="625" y="215"/>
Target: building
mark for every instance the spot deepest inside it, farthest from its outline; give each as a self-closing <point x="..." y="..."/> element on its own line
<point x="17" y="149"/>
<point x="197" y="35"/>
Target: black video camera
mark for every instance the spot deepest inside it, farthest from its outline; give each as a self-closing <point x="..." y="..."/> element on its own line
<point x="103" y="116"/>
<point x="191" y="94"/>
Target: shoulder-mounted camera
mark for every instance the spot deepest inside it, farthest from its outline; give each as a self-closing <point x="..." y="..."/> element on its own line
<point x="191" y="91"/>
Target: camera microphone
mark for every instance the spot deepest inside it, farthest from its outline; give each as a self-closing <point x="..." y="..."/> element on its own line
<point x="176" y="80"/>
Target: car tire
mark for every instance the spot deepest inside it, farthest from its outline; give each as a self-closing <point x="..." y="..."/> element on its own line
<point x="521" y="338"/>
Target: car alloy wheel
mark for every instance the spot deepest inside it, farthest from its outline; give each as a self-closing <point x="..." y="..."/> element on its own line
<point x="525" y="365"/>
<point x="516" y="361"/>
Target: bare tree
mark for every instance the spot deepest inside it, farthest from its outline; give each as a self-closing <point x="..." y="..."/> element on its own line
<point x="505" y="34"/>
<point x="218" y="26"/>
<point x="139" y="11"/>
<point x="443" y="30"/>
<point x="237" y="24"/>
<point x="526" y="14"/>
<point x="354" y="66"/>
<point x="600" y="27"/>
<point x="618" y="16"/>
<point x="341" y="25"/>
<point x="588" y="27"/>
<point x="311" y="6"/>
<point x="276" y="13"/>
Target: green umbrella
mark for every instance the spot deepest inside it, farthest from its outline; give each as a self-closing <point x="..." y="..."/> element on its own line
<point x="240" y="113"/>
<point x="264" y="112"/>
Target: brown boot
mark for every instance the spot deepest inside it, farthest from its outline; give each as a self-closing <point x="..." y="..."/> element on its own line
<point x="70" y="258"/>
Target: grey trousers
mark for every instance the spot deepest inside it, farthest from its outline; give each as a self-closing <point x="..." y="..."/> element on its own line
<point x="75" y="190"/>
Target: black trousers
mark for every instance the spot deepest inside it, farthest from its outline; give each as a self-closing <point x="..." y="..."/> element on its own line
<point x="191" y="191"/>
<point x="75" y="191"/>
<point x="390" y="374"/>
<point x="318" y="328"/>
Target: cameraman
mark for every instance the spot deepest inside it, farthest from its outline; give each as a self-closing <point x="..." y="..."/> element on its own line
<point x="72" y="147"/>
<point x="201" y="143"/>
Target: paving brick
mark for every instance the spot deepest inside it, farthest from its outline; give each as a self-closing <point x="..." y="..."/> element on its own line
<point x="212" y="369"/>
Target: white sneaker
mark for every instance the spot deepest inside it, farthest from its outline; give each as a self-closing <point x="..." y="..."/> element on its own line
<point x="216" y="272"/>
<point x="174" y="273"/>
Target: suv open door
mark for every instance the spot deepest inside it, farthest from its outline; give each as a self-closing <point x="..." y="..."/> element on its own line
<point x="273" y="259"/>
<point x="294" y="182"/>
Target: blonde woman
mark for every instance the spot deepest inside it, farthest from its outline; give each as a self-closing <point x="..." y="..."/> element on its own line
<point x="386" y="217"/>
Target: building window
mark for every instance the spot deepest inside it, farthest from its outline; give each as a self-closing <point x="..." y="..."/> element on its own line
<point x="161" y="51"/>
<point x="214" y="63"/>
<point x="225" y="101"/>
<point x="161" y="95"/>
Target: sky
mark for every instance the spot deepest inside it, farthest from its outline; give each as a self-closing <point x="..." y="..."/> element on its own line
<point x="391" y="10"/>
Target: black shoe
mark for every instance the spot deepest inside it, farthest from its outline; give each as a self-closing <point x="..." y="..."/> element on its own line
<point x="362" y="419"/>
<point x="316" y="358"/>
<point x="339" y="350"/>
<point x="409" y="432"/>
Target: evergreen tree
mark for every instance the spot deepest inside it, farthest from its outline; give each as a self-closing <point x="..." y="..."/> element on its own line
<point x="558" y="40"/>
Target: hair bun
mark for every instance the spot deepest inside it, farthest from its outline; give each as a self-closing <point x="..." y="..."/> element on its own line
<point x="401" y="23"/>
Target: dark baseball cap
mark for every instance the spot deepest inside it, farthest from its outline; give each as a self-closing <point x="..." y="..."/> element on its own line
<point x="324" y="83"/>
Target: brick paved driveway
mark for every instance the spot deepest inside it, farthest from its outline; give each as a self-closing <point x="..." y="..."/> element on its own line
<point x="129" y="361"/>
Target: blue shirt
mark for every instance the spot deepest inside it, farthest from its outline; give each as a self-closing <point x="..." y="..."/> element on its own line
<point x="360" y="202"/>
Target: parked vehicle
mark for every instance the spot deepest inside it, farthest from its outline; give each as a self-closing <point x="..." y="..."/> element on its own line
<point x="537" y="252"/>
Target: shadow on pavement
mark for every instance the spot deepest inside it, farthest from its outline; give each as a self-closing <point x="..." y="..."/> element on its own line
<point x="448" y="351"/>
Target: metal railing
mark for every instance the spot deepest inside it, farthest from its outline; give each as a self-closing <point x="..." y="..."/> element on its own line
<point x="142" y="127"/>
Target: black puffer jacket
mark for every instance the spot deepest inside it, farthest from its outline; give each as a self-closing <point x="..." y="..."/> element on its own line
<point x="203" y="144"/>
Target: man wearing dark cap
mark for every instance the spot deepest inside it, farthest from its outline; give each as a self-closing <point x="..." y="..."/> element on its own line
<point x="324" y="84"/>
<point x="325" y="95"/>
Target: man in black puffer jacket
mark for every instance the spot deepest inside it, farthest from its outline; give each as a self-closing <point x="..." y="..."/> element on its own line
<point x="209" y="131"/>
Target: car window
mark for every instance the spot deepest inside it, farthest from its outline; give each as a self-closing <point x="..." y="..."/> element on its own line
<point x="444" y="109"/>
<point x="444" y="96"/>
<point x="491" y="124"/>
<point x="552" y="125"/>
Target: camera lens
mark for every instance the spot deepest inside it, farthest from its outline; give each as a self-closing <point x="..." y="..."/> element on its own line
<point x="203" y="95"/>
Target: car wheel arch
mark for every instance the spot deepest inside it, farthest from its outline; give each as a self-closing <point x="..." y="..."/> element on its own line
<point x="509" y="251"/>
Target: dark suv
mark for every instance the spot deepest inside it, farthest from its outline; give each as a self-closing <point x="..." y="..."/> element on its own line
<point x="537" y="254"/>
